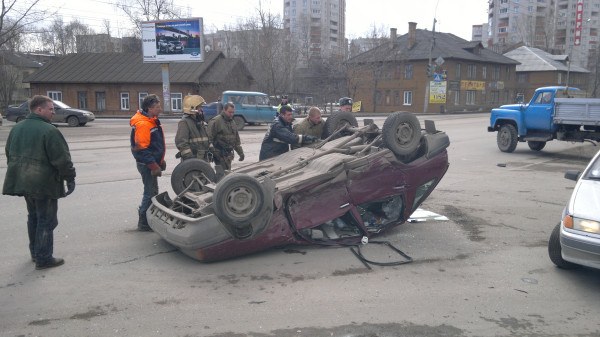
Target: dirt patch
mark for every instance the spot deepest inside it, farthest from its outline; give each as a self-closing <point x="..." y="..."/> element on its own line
<point x="469" y="223"/>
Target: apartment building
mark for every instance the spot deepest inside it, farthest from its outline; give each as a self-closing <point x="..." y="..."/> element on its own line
<point x="560" y="26"/>
<point x="317" y="26"/>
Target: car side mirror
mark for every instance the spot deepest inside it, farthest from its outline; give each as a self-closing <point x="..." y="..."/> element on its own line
<point x="572" y="175"/>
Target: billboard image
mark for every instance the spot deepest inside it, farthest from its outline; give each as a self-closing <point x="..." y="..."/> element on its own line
<point x="177" y="40"/>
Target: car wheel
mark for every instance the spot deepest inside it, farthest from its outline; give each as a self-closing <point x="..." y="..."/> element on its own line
<point x="535" y="145"/>
<point x="82" y="124"/>
<point x="73" y="121"/>
<point x="338" y="120"/>
<point x="401" y="133"/>
<point x="238" y="199"/>
<point x="20" y="118"/>
<point x="555" y="251"/>
<point x="185" y="173"/>
<point x="507" y="138"/>
<point x="239" y="122"/>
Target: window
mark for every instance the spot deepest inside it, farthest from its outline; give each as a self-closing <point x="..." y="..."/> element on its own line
<point x="176" y="101"/>
<point x="408" y="98"/>
<point x="522" y="78"/>
<point x="471" y="71"/>
<point x="82" y="102"/>
<point x="396" y="97"/>
<point x="141" y="97"/>
<point x="378" y="97"/>
<point x="408" y="71"/>
<point x="458" y="71"/>
<point x="470" y="98"/>
<point x="100" y="101"/>
<point x="484" y="72"/>
<point x="55" y="95"/>
<point x="456" y="97"/>
<point x="503" y="10"/>
<point x="124" y="101"/>
<point x="388" y="98"/>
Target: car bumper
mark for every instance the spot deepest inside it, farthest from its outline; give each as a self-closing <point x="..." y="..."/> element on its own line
<point x="580" y="249"/>
<point x="186" y="233"/>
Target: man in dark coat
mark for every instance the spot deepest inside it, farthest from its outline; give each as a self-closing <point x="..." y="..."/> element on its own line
<point x="280" y="135"/>
<point x="224" y="137"/>
<point x="38" y="165"/>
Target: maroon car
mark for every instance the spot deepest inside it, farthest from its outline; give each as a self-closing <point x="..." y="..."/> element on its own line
<point x="355" y="184"/>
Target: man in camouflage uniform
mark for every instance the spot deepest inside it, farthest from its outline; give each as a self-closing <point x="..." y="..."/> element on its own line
<point x="311" y="125"/>
<point x="224" y="137"/>
<point x="191" y="138"/>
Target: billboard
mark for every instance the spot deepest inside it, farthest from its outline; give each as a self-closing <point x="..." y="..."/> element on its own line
<point x="178" y="40"/>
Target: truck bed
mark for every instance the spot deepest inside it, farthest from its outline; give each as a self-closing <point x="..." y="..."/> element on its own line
<point x="577" y="111"/>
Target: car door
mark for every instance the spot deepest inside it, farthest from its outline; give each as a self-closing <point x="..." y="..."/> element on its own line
<point x="59" y="114"/>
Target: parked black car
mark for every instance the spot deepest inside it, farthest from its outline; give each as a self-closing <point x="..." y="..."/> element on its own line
<point x="62" y="114"/>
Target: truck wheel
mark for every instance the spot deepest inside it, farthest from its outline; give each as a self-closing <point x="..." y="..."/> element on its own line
<point x="240" y="123"/>
<point x="401" y="133"/>
<point x="507" y="138"/>
<point x="535" y="145"/>
<point x="238" y="199"/>
<point x="185" y="172"/>
<point x="555" y="251"/>
<point x="338" y="120"/>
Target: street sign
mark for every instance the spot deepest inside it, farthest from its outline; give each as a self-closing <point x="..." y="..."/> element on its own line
<point x="439" y="61"/>
<point x="437" y="77"/>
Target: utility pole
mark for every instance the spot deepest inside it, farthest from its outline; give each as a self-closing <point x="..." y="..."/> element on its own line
<point x="429" y="68"/>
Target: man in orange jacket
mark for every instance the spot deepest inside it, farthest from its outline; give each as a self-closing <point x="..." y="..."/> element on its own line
<point x="148" y="149"/>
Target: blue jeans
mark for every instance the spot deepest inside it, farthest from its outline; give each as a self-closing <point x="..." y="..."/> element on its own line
<point x="41" y="221"/>
<point x="150" y="188"/>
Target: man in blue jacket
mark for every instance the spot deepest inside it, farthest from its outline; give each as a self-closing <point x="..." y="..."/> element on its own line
<point x="38" y="165"/>
<point x="280" y="135"/>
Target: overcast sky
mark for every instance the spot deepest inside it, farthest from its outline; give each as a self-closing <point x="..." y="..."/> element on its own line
<point x="453" y="16"/>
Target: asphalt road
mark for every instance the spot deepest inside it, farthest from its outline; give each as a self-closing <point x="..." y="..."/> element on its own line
<point x="485" y="272"/>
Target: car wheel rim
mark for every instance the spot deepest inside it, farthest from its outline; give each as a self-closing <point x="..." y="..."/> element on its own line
<point x="404" y="134"/>
<point x="241" y="201"/>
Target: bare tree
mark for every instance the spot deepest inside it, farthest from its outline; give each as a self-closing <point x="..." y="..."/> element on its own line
<point x="139" y="11"/>
<point x="15" y="18"/>
<point x="10" y="78"/>
<point x="61" y="38"/>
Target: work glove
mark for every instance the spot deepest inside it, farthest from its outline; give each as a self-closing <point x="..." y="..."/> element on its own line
<point x="307" y="139"/>
<point x="70" y="186"/>
<point x="241" y="157"/>
<point x="163" y="165"/>
<point x="156" y="172"/>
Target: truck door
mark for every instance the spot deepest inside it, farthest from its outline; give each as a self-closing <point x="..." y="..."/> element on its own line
<point x="538" y="115"/>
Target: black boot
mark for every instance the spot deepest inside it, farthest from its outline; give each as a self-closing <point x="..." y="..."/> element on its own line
<point x="143" y="224"/>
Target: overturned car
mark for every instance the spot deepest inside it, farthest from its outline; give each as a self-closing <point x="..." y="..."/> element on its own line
<point x="355" y="184"/>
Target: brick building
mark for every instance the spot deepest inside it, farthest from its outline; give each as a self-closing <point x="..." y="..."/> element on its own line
<point x="116" y="83"/>
<point x="465" y="76"/>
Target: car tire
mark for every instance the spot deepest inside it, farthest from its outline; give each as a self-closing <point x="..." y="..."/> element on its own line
<point x="82" y="124"/>
<point x="536" y="145"/>
<point x="507" y="138"/>
<point x="20" y="118"/>
<point x="338" y="120"/>
<point x="401" y="133"/>
<point x="238" y="199"/>
<point x="240" y="123"/>
<point x="185" y="172"/>
<point x="73" y="121"/>
<point x="555" y="251"/>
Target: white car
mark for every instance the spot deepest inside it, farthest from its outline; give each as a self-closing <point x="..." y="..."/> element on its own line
<point x="576" y="239"/>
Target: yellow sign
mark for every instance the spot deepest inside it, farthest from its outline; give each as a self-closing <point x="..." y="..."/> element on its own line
<point x="356" y="106"/>
<point x="472" y="85"/>
<point x="437" y="92"/>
